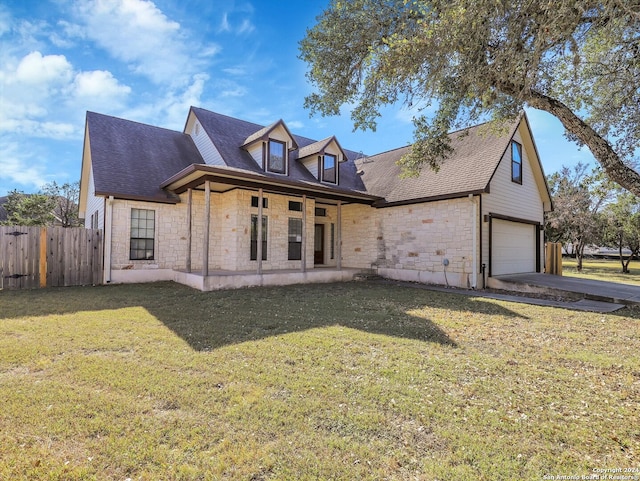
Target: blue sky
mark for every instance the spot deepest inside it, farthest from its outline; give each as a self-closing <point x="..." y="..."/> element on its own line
<point x="150" y="61"/>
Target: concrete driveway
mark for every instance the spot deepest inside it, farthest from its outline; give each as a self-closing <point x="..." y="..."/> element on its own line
<point x="569" y="286"/>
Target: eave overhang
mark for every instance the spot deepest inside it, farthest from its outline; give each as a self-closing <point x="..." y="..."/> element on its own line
<point x="196" y="174"/>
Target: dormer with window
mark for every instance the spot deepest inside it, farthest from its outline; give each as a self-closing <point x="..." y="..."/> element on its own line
<point x="270" y="147"/>
<point x="322" y="159"/>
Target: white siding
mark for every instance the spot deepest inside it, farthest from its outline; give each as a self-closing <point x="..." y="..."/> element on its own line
<point x="95" y="205"/>
<point x="311" y="164"/>
<point x="508" y="198"/>
<point x="256" y="153"/>
<point x="205" y="146"/>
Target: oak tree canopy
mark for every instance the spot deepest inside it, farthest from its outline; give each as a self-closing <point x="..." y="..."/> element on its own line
<point x="470" y="60"/>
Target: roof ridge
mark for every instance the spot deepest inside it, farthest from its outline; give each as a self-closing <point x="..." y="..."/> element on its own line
<point x="135" y="122"/>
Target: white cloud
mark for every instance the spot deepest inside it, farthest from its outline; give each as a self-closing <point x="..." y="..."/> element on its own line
<point x="140" y="34"/>
<point x="18" y="168"/>
<point x="42" y="95"/>
<point x="236" y="19"/>
<point x="99" y="84"/>
<point x="36" y="69"/>
<point x="170" y="110"/>
<point x="295" y="124"/>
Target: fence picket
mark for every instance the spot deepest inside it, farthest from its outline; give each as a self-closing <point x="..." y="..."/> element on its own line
<point x="73" y="257"/>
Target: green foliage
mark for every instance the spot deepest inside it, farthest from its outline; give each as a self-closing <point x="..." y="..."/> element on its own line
<point x="66" y="197"/>
<point x="576" y="59"/>
<point x="622" y="227"/>
<point x="578" y="198"/>
<point x="54" y="204"/>
<point x="29" y="209"/>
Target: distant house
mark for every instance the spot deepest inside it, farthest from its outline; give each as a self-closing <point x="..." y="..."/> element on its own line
<point x="229" y="203"/>
<point x="3" y="212"/>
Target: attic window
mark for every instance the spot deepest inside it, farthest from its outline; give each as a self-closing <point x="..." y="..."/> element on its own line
<point x="196" y="128"/>
<point x="516" y="162"/>
<point x="276" y="156"/>
<point x="329" y="163"/>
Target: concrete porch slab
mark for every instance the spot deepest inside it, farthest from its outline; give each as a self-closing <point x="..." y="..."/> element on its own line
<point x="218" y="280"/>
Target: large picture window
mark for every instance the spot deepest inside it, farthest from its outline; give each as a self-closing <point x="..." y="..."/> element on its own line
<point x="516" y="162"/>
<point x="295" y="239"/>
<point x="254" y="237"/>
<point x="329" y="168"/>
<point x="143" y="227"/>
<point x="276" y="156"/>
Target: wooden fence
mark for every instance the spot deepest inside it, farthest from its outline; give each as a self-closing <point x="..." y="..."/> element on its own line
<point x="32" y="257"/>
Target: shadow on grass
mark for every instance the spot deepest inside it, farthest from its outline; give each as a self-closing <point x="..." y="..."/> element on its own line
<point x="208" y="320"/>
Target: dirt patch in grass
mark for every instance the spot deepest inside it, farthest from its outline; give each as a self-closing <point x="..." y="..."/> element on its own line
<point x="338" y="381"/>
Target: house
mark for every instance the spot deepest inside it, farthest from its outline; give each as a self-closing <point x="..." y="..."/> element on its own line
<point x="229" y="203"/>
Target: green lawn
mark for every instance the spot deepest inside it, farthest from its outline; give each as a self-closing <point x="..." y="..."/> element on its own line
<point x="340" y="381"/>
<point x="603" y="270"/>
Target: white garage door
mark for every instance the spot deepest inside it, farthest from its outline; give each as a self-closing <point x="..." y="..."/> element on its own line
<point x="514" y="247"/>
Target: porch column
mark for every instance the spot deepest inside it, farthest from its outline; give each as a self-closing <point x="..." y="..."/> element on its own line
<point x="259" y="241"/>
<point x="339" y="236"/>
<point x="189" y="208"/>
<point x="303" y="267"/>
<point x="207" y="222"/>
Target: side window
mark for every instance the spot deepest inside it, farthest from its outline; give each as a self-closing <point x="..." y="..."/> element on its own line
<point x="295" y="239"/>
<point x="254" y="238"/>
<point x="143" y="226"/>
<point x="516" y="162"/>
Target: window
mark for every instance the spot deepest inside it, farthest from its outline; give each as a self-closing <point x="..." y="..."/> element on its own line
<point x="254" y="237"/>
<point x="295" y="239"/>
<point x="329" y="163"/>
<point x="295" y="206"/>
<point x="276" y="156"/>
<point x="333" y="241"/>
<point x="254" y="202"/>
<point x="94" y="221"/>
<point x="516" y="162"/>
<point x="143" y="226"/>
<point x="321" y="212"/>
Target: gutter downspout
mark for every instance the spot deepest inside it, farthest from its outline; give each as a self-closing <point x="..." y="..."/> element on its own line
<point x="108" y="222"/>
<point x="474" y="250"/>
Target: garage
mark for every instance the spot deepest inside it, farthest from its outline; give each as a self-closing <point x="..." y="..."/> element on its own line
<point x="514" y="247"/>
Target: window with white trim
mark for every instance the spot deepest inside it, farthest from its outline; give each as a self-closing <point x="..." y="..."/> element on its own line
<point x="143" y="227"/>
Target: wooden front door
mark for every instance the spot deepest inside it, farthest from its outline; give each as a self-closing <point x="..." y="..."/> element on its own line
<point x="318" y="250"/>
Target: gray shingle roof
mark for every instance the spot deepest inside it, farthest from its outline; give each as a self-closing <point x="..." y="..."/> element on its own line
<point x="228" y="134"/>
<point x="131" y="159"/>
<point x="469" y="169"/>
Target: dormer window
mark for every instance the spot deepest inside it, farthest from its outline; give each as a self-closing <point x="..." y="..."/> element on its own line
<point x="276" y="156"/>
<point x="329" y="168"/>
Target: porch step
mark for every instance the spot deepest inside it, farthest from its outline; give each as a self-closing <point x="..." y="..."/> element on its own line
<point x="366" y="275"/>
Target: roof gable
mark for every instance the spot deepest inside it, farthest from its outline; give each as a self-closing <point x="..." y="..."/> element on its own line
<point x="319" y="147"/>
<point x="130" y="159"/>
<point x="263" y="134"/>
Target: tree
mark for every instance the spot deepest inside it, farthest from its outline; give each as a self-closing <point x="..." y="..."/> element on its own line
<point x="578" y="199"/>
<point x="623" y="226"/>
<point x="29" y="209"/>
<point x="66" y="198"/>
<point x="576" y="59"/>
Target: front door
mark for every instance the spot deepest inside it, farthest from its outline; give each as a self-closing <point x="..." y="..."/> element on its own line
<point x="318" y="251"/>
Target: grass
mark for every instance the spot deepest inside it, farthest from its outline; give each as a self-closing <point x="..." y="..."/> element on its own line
<point x="340" y="381"/>
<point x="603" y="270"/>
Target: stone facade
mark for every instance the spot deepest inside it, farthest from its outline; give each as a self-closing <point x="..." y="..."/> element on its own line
<point x="405" y="242"/>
